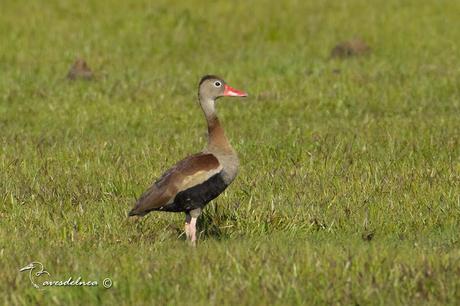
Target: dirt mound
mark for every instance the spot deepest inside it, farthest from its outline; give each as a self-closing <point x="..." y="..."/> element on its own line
<point x="80" y="70"/>
<point x="353" y="47"/>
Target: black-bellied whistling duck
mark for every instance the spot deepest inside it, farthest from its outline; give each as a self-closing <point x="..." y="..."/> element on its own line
<point x="196" y="180"/>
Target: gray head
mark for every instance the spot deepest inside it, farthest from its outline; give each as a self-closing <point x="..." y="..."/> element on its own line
<point x="213" y="87"/>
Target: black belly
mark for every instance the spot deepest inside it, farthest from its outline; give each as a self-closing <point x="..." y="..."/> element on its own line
<point x="197" y="196"/>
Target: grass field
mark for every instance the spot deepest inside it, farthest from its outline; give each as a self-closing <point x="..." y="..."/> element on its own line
<point x="349" y="188"/>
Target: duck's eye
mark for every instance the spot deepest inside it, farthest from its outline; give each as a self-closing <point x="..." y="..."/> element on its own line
<point x="217" y="84"/>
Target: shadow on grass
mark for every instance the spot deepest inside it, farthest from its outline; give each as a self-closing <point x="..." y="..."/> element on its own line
<point x="215" y="223"/>
<point x="209" y="226"/>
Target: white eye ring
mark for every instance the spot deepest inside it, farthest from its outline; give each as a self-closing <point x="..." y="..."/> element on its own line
<point x="217" y="84"/>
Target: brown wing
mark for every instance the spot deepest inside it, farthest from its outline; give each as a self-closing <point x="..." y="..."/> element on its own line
<point x="187" y="173"/>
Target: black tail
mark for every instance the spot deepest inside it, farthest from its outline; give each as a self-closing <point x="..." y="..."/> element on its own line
<point x="132" y="213"/>
<point x="135" y="212"/>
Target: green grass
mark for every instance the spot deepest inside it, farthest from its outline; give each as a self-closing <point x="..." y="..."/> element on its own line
<point x="348" y="191"/>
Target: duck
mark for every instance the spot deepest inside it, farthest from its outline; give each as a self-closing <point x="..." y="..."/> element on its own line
<point x="196" y="180"/>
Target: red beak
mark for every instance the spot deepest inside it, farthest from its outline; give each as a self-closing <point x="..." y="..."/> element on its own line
<point x="232" y="92"/>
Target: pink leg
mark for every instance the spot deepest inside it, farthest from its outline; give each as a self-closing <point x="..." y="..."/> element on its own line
<point x="194" y="214"/>
<point x="188" y="218"/>
<point x="193" y="231"/>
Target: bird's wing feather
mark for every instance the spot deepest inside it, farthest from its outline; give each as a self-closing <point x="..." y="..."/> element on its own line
<point x="187" y="173"/>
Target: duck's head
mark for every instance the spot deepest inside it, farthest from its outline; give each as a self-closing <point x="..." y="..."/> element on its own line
<point x="212" y="87"/>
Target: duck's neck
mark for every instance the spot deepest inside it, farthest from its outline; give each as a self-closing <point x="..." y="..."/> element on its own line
<point x="217" y="141"/>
